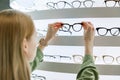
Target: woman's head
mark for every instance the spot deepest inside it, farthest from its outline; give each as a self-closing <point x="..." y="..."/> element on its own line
<point x="17" y="45"/>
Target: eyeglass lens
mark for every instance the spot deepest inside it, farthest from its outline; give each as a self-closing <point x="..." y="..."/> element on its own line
<point x="111" y="3"/>
<point x="78" y="58"/>
<point x="118" y="59"/>
<point x="88" y="3"/>
<point x="61" y="4"/>
<point x="108" y="59"/>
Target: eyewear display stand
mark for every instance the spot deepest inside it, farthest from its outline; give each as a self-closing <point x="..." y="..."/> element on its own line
<point x="78" y="41"/>
<point x="74" y="68"/>
<point x="99" y="12"/>
<point x="95" y="12"/>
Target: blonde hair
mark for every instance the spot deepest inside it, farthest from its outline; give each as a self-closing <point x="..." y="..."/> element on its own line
<point x="14" y="27"/>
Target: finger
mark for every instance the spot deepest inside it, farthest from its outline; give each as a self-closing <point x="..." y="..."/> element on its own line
<point x="84" y="25"/>
<point x="92" y="27"/>
<point x="90" y="23"/>
<point x="58" y="25"/>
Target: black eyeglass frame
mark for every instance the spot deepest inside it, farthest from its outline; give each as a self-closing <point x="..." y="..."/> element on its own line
<point x="98" y="28"/>
<point x="68" y="30"/>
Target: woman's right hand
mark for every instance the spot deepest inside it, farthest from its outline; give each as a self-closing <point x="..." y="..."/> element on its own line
<point x="88" y="36"/>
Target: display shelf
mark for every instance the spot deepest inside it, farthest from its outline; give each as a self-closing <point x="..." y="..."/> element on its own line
<point x="74" y="68"/>
<point x="79" y="41"/>
<point x="77" y="13"/>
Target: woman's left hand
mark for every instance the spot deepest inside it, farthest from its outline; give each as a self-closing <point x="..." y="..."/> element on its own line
<point x="52" y="30"/>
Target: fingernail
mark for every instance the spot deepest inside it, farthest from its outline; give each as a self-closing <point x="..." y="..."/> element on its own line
<point x="81" y="23"/>
<point x="62" y="24"/>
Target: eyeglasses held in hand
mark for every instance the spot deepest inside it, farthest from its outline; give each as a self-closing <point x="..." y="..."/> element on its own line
<point x="66" y="27"/>
<point x="102" y="31"/>
<point x="111" y="3"/>
<point x="74" y="4"/>
<point x="110" y="59"/>
<point x="37" y="77"/>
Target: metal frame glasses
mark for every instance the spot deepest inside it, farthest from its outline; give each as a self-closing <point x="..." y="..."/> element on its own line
<point x="66" y="27"/>
<point x="102" y="31"/>
<point x="37" y="77"/>
<point x="74" y="4"/>
<point x="56" y="57"/>
<point x="111" y="3"/>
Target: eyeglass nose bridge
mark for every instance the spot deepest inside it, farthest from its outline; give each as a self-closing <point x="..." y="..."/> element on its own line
<point x="84" y="3"/>
<point x="113" y="33"/>
<point x="109" y="30"/>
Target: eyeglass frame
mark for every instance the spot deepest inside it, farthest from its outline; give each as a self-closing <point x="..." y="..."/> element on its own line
<point x="54" y="56"/>
<point x="71" y="5"/>
<point x="57" y="4"/>
<point x="83" y="3"/>
<point x="94" y="57"/>
<point x="105" y="1"/>
<point x="107" y="30"/>
<point x="36" y="76"/>
<point x="113" y="58"/>
<point x="68" y="30"/>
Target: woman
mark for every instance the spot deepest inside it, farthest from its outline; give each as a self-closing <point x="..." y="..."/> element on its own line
<point x="18" y="46"/>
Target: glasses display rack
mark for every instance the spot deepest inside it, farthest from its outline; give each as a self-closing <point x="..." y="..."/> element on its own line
<point x="98" y="12"/>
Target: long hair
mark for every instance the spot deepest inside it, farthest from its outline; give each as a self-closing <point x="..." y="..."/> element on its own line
<point x="14" y="27"/>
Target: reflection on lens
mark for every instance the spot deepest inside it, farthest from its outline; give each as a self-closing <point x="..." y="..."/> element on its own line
<point x="115" y="32"/>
